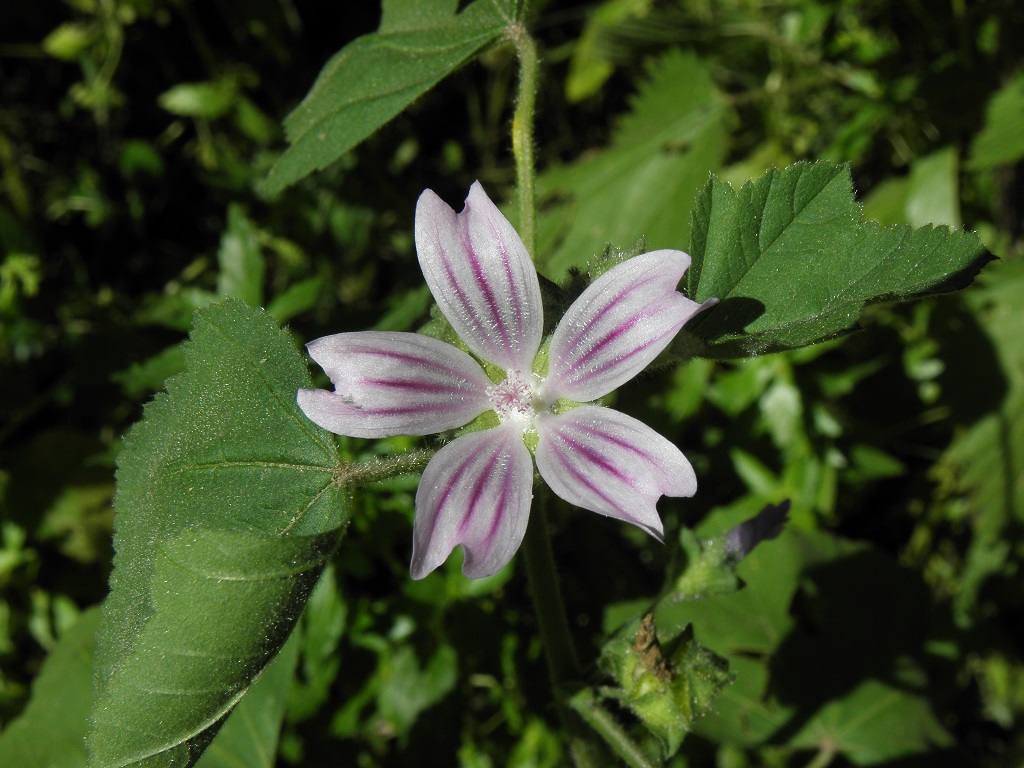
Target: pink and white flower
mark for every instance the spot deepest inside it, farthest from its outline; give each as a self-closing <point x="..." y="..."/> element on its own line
<point x="477" y="490"/>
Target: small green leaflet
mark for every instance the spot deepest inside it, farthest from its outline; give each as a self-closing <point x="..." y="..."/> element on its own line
<point x="228" y="506"/>
<point x="792" y="263"/>
<point x="375" y="77"/>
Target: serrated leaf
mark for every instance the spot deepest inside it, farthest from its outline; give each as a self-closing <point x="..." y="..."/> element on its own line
<point x="1001" y="141"/>
<point x="375" y="77"/>
<point x="227" y="509"/>
<point x="50" y="732"/>
<point x="660" y="155"/>
<point x="792" y="263"/>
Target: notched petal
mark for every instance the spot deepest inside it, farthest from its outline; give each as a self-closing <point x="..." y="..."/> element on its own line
<point x="475" y="492"/>
<point x="389" y="384"/>
<point x="481" y="277"/>
<point x="610" y="463"/>
<point x="618" y="325"/>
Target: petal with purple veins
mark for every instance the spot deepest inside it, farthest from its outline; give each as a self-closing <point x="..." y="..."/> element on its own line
<point x="617" y="326"/>
<point x="475" y="492"/>
<point x="388" y="384"/>
<point x="482" y="278"/>
<point x="610" y="463"/>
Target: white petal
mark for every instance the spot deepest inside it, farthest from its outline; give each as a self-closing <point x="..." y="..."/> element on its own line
<point x="475" y="492"/>
<point x="482" y="278"/>
<point x="389" y="384"/>
<point x="617" y="326"/>
<point x="610" y="463"/>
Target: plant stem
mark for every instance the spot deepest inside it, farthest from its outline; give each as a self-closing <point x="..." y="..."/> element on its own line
<point x="563" y="666"/>
<point x="601" y="720"/>
<point x="522" y="134"/>
<point x="384" y="468"/>
<point x="547" y="599"/>
<point x="540" y="564"/>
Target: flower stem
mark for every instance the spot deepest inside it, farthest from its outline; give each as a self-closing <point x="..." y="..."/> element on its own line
<point x="522" y="134"/>
<point x="563" y="666"/>
<point x="547" y="599"/>
<point x="384" y="468"/>
<point x="601" y="720"/>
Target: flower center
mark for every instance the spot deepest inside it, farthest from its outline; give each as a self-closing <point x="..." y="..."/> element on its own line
<point x="513" y="398"/>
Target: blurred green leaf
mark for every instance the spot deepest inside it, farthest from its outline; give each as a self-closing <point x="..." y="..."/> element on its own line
<point x="375" y="77"/>
<point x="642" y="185"/>
<point x="590" y="66"/>
<point x="296" y="299"/>
<point x="873" y="724"/>
<point x="323" y="623"/>
<point x="50" y="732"/>
<point x="149" y="376"/>
<point x="406" y="690"/>
<point x="208" y="100"/>
<point x="792" y="263"/>
<point x="68" y="41"/>
<point x="933" y="194"/>
<point x="1001" y="141"/>
<point x="990" y="454"/>
<point x="240" y="259"/>
<point x="227" y="509"/>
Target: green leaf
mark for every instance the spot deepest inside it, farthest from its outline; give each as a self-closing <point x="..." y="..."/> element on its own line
<point x="240" y="259"/>
<point x="296" y="299"/>
<point x="375" y="77"/>
<point x="873" y="724"/>
<point x="933" y="194"/>
<point x="660" y="155"/>
<point x="989" y="456"/>
<point x="792" y="263"/>
<point x="227" y="508"/>
<point x="1001" y="141"/>
<point x="249" y="737"/>
<point x="50" y="732"/>
<point x="69" y="41"/>
<point x="591" y="66"/>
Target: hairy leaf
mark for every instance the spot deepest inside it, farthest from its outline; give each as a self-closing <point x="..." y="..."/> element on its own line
<point x="249" y="737"/>
<point x="228" y="506"/>
<point x="375" y="77"/>
<point x="792" y="263"/>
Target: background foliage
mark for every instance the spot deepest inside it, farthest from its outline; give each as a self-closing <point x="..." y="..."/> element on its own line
<point x="135" y="140"/>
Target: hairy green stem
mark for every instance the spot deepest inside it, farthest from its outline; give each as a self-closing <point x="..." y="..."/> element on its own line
<point x="384" y="468"/>
<point x="522" y="134"/>
<point x="601" y="720"/>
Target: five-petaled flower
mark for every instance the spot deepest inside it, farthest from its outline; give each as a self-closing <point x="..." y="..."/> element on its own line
<point x="477" y="490"/>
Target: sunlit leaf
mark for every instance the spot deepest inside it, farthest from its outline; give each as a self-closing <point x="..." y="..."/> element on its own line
<point x="792" y="263"/>
<point x="645" y="182"/>
<point x="375" y="77"/>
